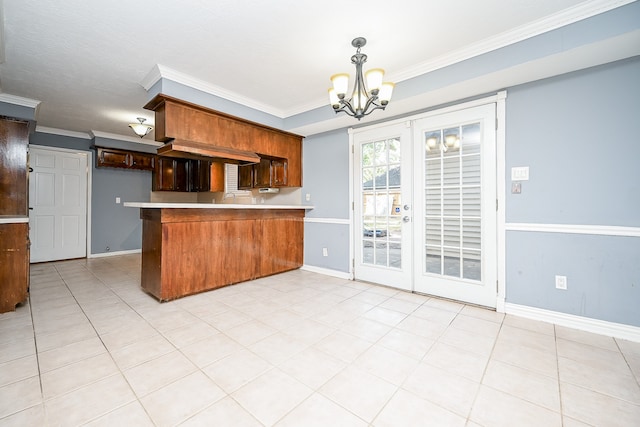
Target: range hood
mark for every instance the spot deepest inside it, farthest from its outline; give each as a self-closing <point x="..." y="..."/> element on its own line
<point x="199" y="151"/>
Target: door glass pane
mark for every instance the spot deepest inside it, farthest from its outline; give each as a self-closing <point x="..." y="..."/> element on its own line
<point x="471" y="264"/>
<point x="381" y="203"/>
<point x="452" y="201"/>
<point x="433" y="261"/>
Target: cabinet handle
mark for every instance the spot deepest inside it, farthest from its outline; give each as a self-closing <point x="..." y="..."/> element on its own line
<point x="30" y="208"/>
<point x="30" y="169"/>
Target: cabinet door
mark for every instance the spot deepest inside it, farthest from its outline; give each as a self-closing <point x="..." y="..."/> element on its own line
<point x="163" y="174"/>
<point x="262" y="174"/>
<point x="13" y="167"/>
<point x="180" y="174"/>
<point x="278" y="173"/>
<point x="113" y="158"/>
<point x="245" y="177"/>
<point x="216" y="177"/>
<point x="14" y="265"/>
<point x="199" y="174"/>
<point x="142" y="161"/>
<point x="281" y="243"/>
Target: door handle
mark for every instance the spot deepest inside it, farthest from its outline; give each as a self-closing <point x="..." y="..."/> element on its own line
<point x="406" y="219"/>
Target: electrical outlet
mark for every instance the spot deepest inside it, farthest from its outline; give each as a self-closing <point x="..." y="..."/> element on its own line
<point x="325" y="252"/>
<point x="117" y="199"/>
<point x="561" y="282"/>
<point x="307" y="197"/>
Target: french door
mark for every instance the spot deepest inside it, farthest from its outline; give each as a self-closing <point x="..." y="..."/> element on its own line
<point x="425" y="205"/>
<point x="383" y="226"/>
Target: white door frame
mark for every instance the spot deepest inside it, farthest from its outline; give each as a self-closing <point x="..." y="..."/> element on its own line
<point x="89" y="157"/>
<point x="500" y="100"/>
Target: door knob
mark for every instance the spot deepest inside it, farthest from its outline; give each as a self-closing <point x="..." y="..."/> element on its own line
<point x="406" y="218"/>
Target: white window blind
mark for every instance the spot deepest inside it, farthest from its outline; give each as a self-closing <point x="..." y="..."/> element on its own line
<point x="231" y="181"/>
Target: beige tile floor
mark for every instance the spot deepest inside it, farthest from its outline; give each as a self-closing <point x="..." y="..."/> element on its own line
<point x="296" y="349"/>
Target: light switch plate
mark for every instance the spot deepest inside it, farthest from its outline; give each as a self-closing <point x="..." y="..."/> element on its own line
<point x="520" y="173"/>
<point x="117" y="199"/>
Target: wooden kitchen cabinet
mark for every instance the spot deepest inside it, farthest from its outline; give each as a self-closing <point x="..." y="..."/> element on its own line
<point x="170" y="174"/>
<point x="14" y="141"/>
<point x="279" y="173"/>
<point x="262" y="173"/>
<point x="187" y="175"/>
<point x="245" y="177"/>
<point x="14" y="199"/>
<point x="216" y="177"/>
<point x="178" y="120"/>
<point x="199" y="175"/>
<point x="14" y="265"/>
<point x="125" y="159"/>
<point x="186" y="251"/>
<point x="270" y="172"/>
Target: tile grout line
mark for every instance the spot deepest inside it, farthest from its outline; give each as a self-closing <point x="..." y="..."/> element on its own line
<point x="103" y="344"/>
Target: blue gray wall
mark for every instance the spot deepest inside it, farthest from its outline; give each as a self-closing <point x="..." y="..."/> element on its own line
<point x="326" y="179"/>
<point x="578" y="133"/>
<point x="112" y="225"/>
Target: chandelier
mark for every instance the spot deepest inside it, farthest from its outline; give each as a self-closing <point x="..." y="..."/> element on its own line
<point x="362" y="101"/>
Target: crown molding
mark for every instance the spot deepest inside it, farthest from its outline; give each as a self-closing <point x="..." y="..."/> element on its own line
<point x="568" y="16"/>
<point x="126" y="138"/>
<point x="563" y="18"/>
<point x="152" y="77"/>
<point x="62" y="132"/>
<point x="19" y="100"/>
<point x="159" y="71"/>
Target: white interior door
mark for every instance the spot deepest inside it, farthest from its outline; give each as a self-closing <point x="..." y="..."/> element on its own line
<point x="382" y="207"/>
<point x="57" y="204"/>
<point x="455" y="248"/>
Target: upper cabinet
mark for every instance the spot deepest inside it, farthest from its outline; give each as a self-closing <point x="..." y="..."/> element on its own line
<point x="233" y="138"/>
<point x="14" y="142"/>
<point x="269" y="172"/>
<point x="126" y="159"/>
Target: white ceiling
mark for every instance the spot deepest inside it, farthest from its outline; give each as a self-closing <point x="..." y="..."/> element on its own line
<point x="86" y="60"/>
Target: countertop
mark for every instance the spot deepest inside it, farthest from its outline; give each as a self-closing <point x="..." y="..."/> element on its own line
<point x="13" y="219"/>
<point x="149" y="205"/>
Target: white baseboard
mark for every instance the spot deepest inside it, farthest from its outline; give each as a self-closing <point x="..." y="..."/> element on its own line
<point x="616" y="330"/>
<point x="108" y="254"/>
<point x="327" y="272"/>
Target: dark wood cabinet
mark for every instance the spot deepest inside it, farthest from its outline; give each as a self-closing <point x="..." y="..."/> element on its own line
<point x="199" y="174"/>
<point x="270" y="172"/>
<point x="178" y="120"/>
<point x="14" y="199"/>
<point x="14" y="141"/>
<point x="14" y="265"/>
<point x="245" y="177"/>
<point x="174" y="174"/>
<point x="125" y="159"/>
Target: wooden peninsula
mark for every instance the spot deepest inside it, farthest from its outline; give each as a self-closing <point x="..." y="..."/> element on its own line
<point x="189" y="248"/>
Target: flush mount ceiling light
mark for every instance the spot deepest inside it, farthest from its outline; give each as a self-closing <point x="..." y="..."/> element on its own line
<point x="362" y="101"/>
<point x="140" y="128"/>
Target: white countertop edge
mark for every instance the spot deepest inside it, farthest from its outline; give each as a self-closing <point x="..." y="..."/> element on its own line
<point x="150" y="205"/>
<point x="13" y="219"/>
